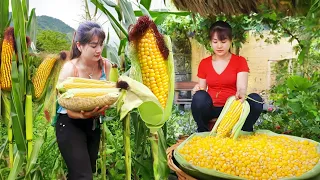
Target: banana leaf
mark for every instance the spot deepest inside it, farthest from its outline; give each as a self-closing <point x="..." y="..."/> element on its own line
<point x="209" y="174"/>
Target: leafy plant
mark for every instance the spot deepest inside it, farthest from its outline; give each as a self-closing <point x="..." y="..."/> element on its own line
<point x="298" y="101"/>
<point x="52" y="41"/>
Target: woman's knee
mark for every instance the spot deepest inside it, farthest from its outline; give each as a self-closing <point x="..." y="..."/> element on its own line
<point x="256" y="103"/>
<point x="200" y="99"/>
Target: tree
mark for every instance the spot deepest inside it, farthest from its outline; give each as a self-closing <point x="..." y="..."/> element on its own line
<point x="52" y="41"/>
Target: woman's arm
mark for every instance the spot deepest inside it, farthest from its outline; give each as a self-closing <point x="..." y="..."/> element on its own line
<point x="202" y="85"/>
<point x="86" y="115"/>
<point x="242" y="85"/>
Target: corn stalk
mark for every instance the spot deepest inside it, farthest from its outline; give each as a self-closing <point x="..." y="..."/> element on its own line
<point x="16" y="109"/>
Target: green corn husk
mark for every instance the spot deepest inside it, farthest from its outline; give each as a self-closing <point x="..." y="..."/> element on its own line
<point x="210" y="174"/>
<point x="235" y="132"/>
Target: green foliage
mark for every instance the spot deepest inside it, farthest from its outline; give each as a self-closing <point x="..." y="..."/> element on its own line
<point x="298" y="101"/>
<point x="181" y="123"/>
<point x="50" y="23"/>
<point x="52" y="41"/>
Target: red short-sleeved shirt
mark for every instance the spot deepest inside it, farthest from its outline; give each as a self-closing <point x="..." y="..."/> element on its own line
<point x="221" y="87"/>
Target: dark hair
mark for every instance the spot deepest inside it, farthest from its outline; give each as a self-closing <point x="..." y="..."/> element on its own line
<point x="84" y="34"/>
<point x="223" y="30"/>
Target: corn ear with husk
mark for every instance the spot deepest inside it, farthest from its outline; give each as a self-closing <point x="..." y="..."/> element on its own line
<point x="7" y="52"/>
<point x="114" y="73"/>
<point x="151" y="86"/>
<point x="231" y="119"/>
<point x="40" y="78"/>
<point x="153" y="66"/>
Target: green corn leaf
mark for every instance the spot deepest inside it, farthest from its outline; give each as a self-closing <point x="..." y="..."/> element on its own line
<point x="32" y="29"/>
<point x="17" y="110"/>
<point x="113" y="54"/>
<point x="4" y="15"/>
<point x="17" y="166"/>
<point x="109" y="136"/>
<point x="19" y="29"/>
<point x="122" y="46"/>
<point x="110" y="3"/>
<point x="146" y="3"/>
<point x="6" y="107"/>
<point x="128" y="13"/>
<point x="144" y="11"/>
<point x="160" y="19"/>
<point x="163" y="166"/>
<point x="34" y="155"/>
<point x="25" y="8"/>
<point x="112" y="19"/>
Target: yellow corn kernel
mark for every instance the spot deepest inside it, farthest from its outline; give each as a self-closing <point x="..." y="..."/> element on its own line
<point x="85" y="80"/>
<point x="153" y="66"/>
<point x="6" y="58"/>
<point x="89" y="92"/>
<point x="67" y="86"/>
<point x="258" y="156"/>
<point x="41" y="76"/>
<point x="230" y="119"/>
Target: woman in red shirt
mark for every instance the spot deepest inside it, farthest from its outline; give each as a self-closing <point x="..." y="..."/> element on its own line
<point x="223" y="75"/>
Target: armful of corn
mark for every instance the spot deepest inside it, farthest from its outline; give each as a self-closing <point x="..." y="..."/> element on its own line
<point x="80" y="94"/>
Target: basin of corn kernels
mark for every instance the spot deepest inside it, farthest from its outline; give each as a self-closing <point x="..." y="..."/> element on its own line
<point x="258" y="156"/>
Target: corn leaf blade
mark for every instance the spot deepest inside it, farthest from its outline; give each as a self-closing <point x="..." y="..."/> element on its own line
<point x="34" y="155"/>
<point x="112" y="19"/>
<point x="17" y="111"/>
<point x="17" y="166"/>
<point x="128" y="13"/>
<point x="4" y="15"/>
<point x="146" y="3"/>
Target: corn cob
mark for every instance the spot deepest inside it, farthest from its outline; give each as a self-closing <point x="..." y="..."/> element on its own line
<point x="254" y="157"/>
<point x="6" y="57"/>
<point x="84" y="80"/>
<point x="62" y="87"/>
<point x="230" y="119"/>
<point x="41" y="76"/>
<point x="152" y="55"/>
<point x="89" y="92"/>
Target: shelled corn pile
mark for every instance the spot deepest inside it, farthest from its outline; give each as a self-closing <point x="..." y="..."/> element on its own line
<point x="255" y="156"/>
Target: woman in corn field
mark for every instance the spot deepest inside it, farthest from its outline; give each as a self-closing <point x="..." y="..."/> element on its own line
<point x="220" y="76"/>
<point x="78" y="133"/>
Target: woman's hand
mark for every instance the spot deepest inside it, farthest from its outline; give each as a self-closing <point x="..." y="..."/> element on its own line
<point x="240" y="95"/>
<point x="96" y="112"/>
<point x="196" y="88"/>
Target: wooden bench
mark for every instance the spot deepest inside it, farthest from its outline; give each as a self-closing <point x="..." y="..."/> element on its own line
<point x="183" y="86"/>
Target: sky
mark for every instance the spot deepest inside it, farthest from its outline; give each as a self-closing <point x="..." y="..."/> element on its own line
<point x="71" y="12"/>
